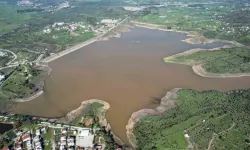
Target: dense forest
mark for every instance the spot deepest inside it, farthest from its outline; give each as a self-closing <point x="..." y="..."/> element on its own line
<point x="218" y="118"/>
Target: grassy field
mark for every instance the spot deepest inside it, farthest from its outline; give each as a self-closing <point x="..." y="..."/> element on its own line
<point x="10" y="19"/>
<point x="91" y="111"/>
<point x="233" y="60"/>
<point x="215" y="21"/>
<point x="182" y="18"/>
<point x="201" y="115"/>
<point x="29" y="26"/>
<point x="20" y="83"/>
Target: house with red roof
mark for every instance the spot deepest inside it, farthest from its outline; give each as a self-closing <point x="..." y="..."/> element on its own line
<point x="26" y="138"/>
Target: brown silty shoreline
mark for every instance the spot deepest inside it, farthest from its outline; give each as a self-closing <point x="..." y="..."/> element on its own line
<point x="166" y="103"/>
<point x="128" y="73"/>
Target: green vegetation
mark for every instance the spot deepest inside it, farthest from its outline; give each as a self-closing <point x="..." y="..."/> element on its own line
<point x="201" y="115"/>
<point x="232" y="60"/>
<point x="225" y="20"/>
<point x="64" y="38"/>
<point x="10" y="19"/>
<point x="47" y="138"/>
<point x="20" y="83"/>
<point x="90" y="118"/>
<point x="23" y="28"/>
<point x="90" y="115"/>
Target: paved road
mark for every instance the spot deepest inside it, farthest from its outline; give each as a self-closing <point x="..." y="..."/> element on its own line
<point x="1" y="68"/>
<point x="15" y="57"/>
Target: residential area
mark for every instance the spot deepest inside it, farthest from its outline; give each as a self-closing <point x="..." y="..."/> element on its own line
<point x="49" y="135"/>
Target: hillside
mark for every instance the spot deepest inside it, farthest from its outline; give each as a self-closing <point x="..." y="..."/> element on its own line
<point x="232" y="60"/>
<point x="209" y="118"/>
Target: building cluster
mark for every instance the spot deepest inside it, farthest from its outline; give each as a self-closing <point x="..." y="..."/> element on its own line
<point x="74" y="138"/>
<point x="30" y="140"/>
<point x="63" y="5"/>
<point x="24" y="3"/>
<point x="67" y="26"/>
<point x="3" y="54"/>
<point x="65" y="137"/>
<point x="109" y="21"/>
<point x="131" y="8"/>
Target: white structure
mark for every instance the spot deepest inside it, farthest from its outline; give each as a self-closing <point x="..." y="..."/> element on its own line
<point x="2" y="77"/>
<point x="38" y="132"/>
<point x="36" y="139"/>
<point x="29" y="145"/>
<point x="134" y="8"/>
<point x="63" y="141"/>
<point x="71" y="141"/>
<point x="47" y="30"/>
<point x="83" y="132"/>
<point x="2" y="54"/>
<point x="84" y="138"/>
<point x="109" y="21"/>
<point x="186" y="136"/>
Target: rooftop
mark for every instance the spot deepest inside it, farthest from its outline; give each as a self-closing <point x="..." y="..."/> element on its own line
<point x="85" y="141"/>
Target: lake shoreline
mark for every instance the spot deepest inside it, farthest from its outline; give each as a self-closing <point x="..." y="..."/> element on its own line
<point x="194" y="37"/>
<point x="167" y="102"/>
<point x="197" y="66"/>
<point x="46" y="70"/>
<point x="147" y="109"/>
<point x="83" y="44"/>
<point x="70" y="116"/>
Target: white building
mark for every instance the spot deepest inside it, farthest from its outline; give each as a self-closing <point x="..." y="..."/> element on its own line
<point x="2" y="77"/>
<point x="38" y="132"/>
<point x="71" y="141"/>
<point x="84" y="138"/>
<point x="29" y="145"/>
<point x="47" y="30"/>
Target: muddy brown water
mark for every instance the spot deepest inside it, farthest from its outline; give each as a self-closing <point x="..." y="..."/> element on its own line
<point x="128" y="73"/>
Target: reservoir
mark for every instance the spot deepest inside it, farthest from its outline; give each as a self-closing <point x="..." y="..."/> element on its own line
<point x="127" y="72"/>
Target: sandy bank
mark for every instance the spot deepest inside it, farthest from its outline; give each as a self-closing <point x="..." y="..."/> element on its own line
<point x="197" y="66"/>
<point x="167" y="102"/>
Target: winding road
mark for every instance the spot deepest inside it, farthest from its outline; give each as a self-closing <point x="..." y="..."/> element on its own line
<point x="10" y="62"/>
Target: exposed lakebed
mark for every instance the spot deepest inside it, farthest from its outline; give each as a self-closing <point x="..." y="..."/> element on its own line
<point x="128" y="72"/>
